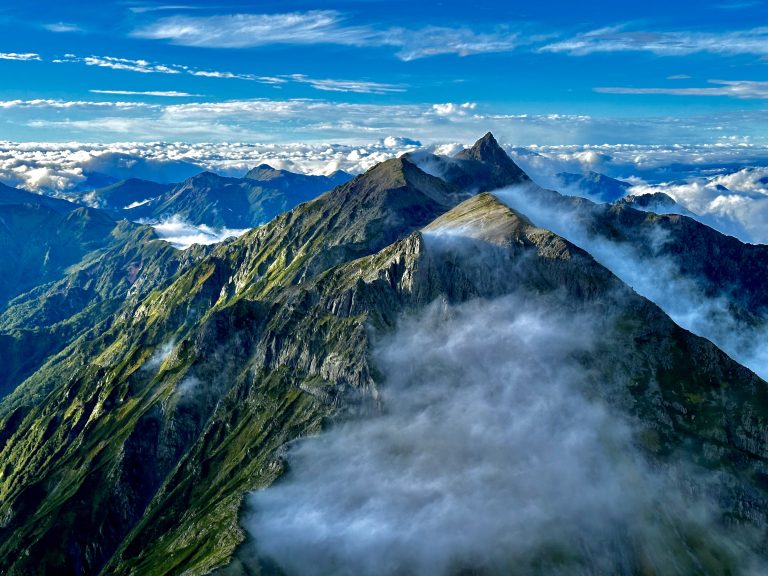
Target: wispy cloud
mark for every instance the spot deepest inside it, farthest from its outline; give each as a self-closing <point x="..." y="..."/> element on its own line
<point x="147" y="67"/>
<point x="161" y="8"/>
<point x="359" y="86"/>
<point x="670" y="43"/>
<point x="739" y="5"/>
<point x="16" y="56"/>
<point x="744" y="89"/>
<point x="321" y="27"/>
<point x="48" y="103"/>
<point x="246" y="30"/>
<point x="166" y="94"/>
<point x="143" y="66"/>
<point x="62" y="27"/>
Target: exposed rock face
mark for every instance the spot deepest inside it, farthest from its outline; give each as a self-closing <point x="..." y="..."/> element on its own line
<point x="130" y="451"/>
<point x="503" y="171"/>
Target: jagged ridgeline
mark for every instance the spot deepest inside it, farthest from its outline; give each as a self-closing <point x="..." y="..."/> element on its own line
<point x="130" y="448"/>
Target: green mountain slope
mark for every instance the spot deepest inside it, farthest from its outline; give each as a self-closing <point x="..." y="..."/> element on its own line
<point x="130" y="451"/>
<point x="40" y="237"/>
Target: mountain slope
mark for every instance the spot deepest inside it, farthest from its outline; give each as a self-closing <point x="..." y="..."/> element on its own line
<point x="130" y="452"/>
<point x="217" y="201"/>
<point x="707" y="280"/>
<point x="38" y="324"/>
<point x="118" y="198"/>
<point x="41" y="237"/>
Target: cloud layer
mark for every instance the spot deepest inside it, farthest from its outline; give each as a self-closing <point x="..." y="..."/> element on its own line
<point x="725" y="181"/>
<point x="682" y="298"/>
<point x="182" y="234"/>
<point x="489" y="456"/>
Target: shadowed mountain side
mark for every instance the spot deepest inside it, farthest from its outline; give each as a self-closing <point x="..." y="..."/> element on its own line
<point x="217" y="201"/>
<point x="38" y="324"/>
<point x="720" y="265"/>
<point x="40" y="237"/>
<point x="595" y="185"/>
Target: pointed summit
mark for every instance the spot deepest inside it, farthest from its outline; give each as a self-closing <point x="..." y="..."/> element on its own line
<point x="487" y="167"/>
<point x="486" y="149"/>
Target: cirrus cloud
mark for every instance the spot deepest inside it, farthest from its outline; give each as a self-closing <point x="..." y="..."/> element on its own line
<point x="321" y="27"/>
<point x="663" y="43"/>
<point x="744" y="89"/>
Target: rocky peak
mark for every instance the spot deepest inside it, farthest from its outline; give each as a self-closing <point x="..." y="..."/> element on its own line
<point x="487" y="151"/>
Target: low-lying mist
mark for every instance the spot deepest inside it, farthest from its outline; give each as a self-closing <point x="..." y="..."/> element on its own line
<point x="492" y="455"/>
<point x="182" y="234"/>
<point x="657" y="278"/>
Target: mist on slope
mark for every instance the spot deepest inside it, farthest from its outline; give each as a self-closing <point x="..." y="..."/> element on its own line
<point x="182" y="234"/>
<point x="490" y="455"/>
<point x="657" y="278"/>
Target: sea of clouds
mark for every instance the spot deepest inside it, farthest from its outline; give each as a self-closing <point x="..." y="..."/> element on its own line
<point x="725" y="183"/>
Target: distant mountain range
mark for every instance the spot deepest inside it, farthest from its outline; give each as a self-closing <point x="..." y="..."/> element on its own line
<point x="213" y="200"/>
<point x="149" y="390"/>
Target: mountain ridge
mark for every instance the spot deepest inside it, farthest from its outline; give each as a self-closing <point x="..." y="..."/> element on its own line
<point x="131" y="451"/>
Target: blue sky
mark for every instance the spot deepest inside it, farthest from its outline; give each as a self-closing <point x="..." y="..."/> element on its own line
<point x="534" y="72"/>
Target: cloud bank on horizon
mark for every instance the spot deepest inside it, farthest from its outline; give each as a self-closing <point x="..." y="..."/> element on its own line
<point x="725" y="183"/>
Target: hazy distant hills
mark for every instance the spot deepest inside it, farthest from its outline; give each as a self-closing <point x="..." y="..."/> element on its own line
<point x="449" y="331"/>
<point x="213" y="200"/>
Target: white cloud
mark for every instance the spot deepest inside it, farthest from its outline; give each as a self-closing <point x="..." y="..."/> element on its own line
<point x="736" y="203"/>
<point x="494" y="448"/>
<point x="166" y="94"/>
<point x="26" y="56"/>
<point x="142" y="66"/>
<point x="744" y="89"/>
<point x="22" y="164"/>
<point x="182" y="234"/>
<point x="673" y="43"/>
<point x="161" y="7"/>
<point x="359" y="86"/>
<point x="451" y="109"/>
<point x="68" y="104"/>
<point x="62" y="27"/>
<point x="147" y="67"/>
<point x="321" y="27"/>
